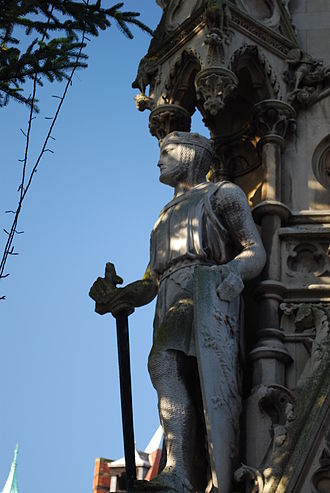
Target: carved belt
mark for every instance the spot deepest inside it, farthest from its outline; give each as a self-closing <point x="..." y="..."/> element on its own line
<point x="183" y="265"/>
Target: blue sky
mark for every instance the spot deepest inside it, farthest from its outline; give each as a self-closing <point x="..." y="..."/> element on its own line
<point x="94" y="200"/>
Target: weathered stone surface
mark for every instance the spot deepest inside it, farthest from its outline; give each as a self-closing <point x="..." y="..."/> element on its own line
<point x="318" y="40"/>
<point x="318" y="6"/>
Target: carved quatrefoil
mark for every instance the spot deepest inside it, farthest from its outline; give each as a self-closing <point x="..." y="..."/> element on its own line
<point x="308" y="258"/>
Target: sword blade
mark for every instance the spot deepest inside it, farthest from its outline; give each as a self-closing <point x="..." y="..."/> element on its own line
<point x="126" y="398"/>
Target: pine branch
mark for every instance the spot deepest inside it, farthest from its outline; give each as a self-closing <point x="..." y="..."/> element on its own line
<point x="52" y="58"/>
<point x="61" y="30"/>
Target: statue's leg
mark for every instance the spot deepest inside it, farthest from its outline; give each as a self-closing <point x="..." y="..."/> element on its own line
<point x="174" y="377"/>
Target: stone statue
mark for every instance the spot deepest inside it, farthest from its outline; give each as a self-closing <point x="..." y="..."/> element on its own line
<point x="204" y="245"/>
<point x="305" y="77"/>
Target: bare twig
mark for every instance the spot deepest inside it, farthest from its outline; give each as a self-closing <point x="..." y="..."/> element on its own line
<point x="23" y="189"/>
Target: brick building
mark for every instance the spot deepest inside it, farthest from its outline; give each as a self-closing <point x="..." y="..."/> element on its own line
<point x="109" y="475"/>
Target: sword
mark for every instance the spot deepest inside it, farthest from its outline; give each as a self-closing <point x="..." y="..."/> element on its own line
<point x="125" y="381"/>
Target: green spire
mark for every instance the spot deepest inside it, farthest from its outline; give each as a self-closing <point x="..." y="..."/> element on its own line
<point x="11" y="483"/>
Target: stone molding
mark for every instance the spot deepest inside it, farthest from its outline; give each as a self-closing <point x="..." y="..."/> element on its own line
<point x="305" y="217"/>
<point x="270" y="207"/>
<point x="276" y="43"/>
<point x="270" y="39"/>
<point x="305" y="258"/>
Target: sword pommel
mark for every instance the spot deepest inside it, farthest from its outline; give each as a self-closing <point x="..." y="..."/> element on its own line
<point x="111" y="275"/>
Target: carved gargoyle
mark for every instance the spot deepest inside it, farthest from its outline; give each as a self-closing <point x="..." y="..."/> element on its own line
<point x="306" y="77"/>
<point x="146" y="72"/>
<point x="278" y="403"/>
<point x="145" y="77"/>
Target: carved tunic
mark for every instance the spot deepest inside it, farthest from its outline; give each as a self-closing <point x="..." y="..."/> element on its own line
<point x="187" y="233"/>
<point x="188" y="230"/>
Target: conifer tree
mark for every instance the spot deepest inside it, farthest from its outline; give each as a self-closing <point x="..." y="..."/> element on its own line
<point x="53" y="29"/>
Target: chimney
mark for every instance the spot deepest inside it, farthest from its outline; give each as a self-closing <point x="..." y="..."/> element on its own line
<point x="101" y="483"/>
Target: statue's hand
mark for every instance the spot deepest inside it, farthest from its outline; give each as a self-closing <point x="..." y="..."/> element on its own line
<point x="108" y="298"/>
<point x="231" y="284"/>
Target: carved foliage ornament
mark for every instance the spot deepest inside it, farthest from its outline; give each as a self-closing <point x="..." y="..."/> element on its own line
<point x="213" y="87"/>
<point x="274" y="117"/>
<point x="313" y="319"/>
<point x="168" y="117"/>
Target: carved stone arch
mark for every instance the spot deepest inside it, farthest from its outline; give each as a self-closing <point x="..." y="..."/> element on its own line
<point x="254" y="70"/>
<point x="256" y="82"/>
<point x="180" y="88"/>
<point x="233" y="132"/>
<point x="179" y="97"/>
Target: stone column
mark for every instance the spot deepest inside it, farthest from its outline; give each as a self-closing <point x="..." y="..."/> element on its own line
<point x="168" y="117"/>
<point x="273" y="120"/>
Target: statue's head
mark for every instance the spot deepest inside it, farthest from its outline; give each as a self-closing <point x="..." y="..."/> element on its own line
<point x="184" y="158"/>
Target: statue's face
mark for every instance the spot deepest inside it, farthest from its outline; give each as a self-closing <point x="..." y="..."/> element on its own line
<point x="171" y="169"/>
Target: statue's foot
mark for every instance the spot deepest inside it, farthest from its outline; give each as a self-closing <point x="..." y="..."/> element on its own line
<point x="168" y="480"/>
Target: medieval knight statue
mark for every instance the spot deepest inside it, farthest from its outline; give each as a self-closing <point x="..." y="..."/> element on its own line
<point x="203" y="247"/>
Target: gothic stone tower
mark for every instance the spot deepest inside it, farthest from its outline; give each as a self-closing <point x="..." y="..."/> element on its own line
<point x="257" y="71"/>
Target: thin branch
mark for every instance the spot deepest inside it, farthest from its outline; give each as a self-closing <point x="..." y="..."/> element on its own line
<point x="13" y="230"/>
<point x="24" y="189"/>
